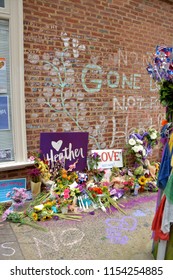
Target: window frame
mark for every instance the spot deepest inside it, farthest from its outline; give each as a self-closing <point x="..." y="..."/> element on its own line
<point x="13" y="12"/>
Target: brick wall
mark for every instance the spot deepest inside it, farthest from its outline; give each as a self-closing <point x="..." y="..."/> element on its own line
<point x="85" y="67"/>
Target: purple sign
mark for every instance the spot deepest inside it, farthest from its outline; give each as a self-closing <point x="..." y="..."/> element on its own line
<point x="68" y="146"/>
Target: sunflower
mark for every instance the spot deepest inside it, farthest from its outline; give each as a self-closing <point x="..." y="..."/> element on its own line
<point x="34" y="216"/>
<point x="142" y="180"/>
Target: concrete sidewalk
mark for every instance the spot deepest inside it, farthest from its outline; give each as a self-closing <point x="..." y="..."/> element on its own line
<point x="95" y="237"/>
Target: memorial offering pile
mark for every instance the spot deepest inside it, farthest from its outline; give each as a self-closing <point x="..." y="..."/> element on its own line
<point x="67" y="193"/>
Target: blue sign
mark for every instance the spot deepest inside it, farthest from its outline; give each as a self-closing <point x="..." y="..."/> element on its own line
<point x="8" y="185"/>
<point x="4" y="113"/>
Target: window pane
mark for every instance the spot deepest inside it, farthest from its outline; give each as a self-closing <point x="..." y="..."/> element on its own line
<point x="6" y="133"/>
<point x="2" y="4"/>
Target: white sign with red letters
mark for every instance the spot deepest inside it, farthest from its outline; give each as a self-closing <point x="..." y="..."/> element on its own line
<point x="109" y="158"/>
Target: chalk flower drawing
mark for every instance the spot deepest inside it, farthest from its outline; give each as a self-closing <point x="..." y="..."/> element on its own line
<point x="60" y="94"/>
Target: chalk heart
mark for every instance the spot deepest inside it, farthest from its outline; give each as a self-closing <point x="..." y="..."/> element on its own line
<point x="57" y="145"/>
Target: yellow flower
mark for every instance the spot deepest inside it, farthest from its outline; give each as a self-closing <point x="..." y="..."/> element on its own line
<point x="34" y="216"/>
<point x="48" y="204"/>
<point x="142" y="180"/>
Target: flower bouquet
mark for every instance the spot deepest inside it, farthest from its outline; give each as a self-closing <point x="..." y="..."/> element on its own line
<point x="41" y="170"/>
<point x="94" y="172"/>
<point x="140" y="144"/>
<point x="93" y="161"/>
<point x="40" y="173"/>
<point x="161" y="70"/>
<point x="18" y="197"/>
<point x="101" y="197"/>
<point x="35" y="175"/>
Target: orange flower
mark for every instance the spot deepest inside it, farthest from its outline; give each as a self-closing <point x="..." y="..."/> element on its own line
<point x="64" y="176"/>
<point x="164" y="122"/>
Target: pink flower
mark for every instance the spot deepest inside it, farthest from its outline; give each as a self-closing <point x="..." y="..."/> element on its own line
<point x="5" y="214"/>
<point x="66" y="193"/>
<point x="8" y="194"/>
<point x="32" y="158"/>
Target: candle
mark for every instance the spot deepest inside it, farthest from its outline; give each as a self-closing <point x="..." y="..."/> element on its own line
<point x="82" y="203"/>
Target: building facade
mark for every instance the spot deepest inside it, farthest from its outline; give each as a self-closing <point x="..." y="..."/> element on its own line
<point x="80" y="66"/>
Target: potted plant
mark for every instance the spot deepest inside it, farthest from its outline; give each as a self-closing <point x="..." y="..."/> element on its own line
<point x="35" y="177"/>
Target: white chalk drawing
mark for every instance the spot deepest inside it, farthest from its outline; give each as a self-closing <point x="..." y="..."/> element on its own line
<point x="139" y="102"/>
<point x="11" y="251"/>
<point x="126" y="131"/>
<point x="69" y="237"/>
<point x="52" y="245"/>
<point x="62" y="95"/>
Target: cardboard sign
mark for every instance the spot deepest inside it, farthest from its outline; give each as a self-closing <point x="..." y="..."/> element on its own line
<point x="69" y="146"/>
<point x="110" y="158"/>
<point x="8" y="185"/>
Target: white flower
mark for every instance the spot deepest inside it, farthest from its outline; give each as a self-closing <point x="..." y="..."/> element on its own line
<point x="138" y="155"/>
<point x="132" y="141"/>
<point x="137" y="148"/>
<point x="153" y="135"/>
<point x="139" y="141"/>
<point x="140" y="148"/>
<point x="144" y="152"/>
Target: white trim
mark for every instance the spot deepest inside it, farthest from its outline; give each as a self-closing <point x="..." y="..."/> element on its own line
<point x="15" y="165"/>
<point x="15" y="16"/>
<point x="17" y="79"/>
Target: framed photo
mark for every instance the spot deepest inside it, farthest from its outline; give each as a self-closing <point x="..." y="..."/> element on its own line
<point x="5" y="154"/>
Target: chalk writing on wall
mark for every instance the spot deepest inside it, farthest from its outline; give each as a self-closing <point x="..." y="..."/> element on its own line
<point x="65" y="89"/>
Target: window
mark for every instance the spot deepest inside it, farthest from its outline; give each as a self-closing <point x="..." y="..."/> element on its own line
<point x="12" y="106"/>
<point x="2" y="4"/>
<point x="6" y="134"/>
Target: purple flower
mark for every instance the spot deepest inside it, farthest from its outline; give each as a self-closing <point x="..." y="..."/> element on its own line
<point x="56" y="218"/>
<point x="34" y="174"/>
<point x="95" y="155"/>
